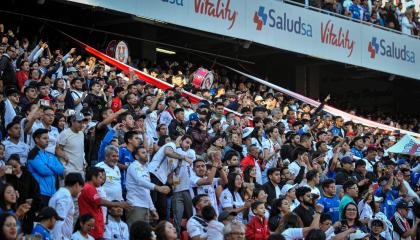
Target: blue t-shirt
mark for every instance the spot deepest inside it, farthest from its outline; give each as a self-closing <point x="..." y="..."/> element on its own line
<point x="126" y="158"/>
<point x="388" y="206"/>
<point x="356" y="11"/>
<point x="331" y="206"/>
<point x="337" y="131"/>
<point x="357" y="153"/>
<point x="45" y="233"/>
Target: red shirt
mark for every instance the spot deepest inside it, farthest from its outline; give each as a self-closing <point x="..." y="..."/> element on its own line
<point x="116" y="104"/>
<point x="257" y="229"/>
<point x="246" y="161"/>
<point x="22" y="76"/>
<point x="89" y="203"/>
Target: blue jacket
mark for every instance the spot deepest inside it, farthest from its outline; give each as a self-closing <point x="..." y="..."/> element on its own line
<point x="105" y="142"/>
<point x="44" y="167"/>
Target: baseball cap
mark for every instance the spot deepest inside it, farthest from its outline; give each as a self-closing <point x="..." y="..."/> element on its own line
<point x="401" y="161"/>
<point x="47" y="213"/>
<point x="193" y="116"/>
<point x="247" y="131"/>
<point x="138" y="81"/>
<point x="346" y="159"/>
<point x="78" y="116"/>
<point x="258" y="98"/>
<point x="287" y="188"/>
<point x="358" y="235"/>
<point x="402" y="204"/>
<point x="224" y="215"/>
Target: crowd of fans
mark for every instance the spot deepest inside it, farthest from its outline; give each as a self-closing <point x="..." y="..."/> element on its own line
<point x="387" y="13"/>
<point x="89" y="152"/>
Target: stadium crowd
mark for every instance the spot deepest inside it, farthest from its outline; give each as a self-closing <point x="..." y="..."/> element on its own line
<point x="89" y="152"/>
<point x="387" y="13"/>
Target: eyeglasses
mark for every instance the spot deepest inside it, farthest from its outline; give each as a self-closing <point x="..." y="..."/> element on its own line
<point x="351" y="209"/>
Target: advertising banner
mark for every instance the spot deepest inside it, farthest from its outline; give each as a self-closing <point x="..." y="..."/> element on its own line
<point x="285" y="26"/>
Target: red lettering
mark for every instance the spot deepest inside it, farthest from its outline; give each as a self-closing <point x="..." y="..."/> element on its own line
<point x="219" y="10"/>
<point x="328" y="36"/>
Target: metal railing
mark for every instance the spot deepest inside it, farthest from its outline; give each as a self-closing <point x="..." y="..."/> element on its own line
<point x="347" y="18"/>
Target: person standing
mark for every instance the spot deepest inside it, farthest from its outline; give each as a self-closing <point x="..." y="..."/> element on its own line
<point x="70" y="147"/>
<point x="44" y="166"/>
<point x="62" y="202"/>
<point x="159" y="168"/>
<point x="90" y="202"/>
<point x="138" y="189"/>
<point x="7" y="68"/>
<point x="112" y="186"/>
<point x="181" y="200"/>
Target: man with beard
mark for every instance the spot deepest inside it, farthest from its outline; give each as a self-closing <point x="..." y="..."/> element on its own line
<point x="305" y="209"/>
<point x="357" y="148"/>
<point x="112" y="184"/>
<point x="186" y="105"/>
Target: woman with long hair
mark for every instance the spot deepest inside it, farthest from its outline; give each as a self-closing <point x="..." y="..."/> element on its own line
<point x="351" y="217"/>
<point x="279" y="208"/>
<point x="8" y="199"/>
<point x="165" y="231"/>
<point x="231" y="198"/>
<point x="8" y="227"/>
<point x="140" y="230"/>
<point x="59" y="121"/>
<point x="84" y="224"/>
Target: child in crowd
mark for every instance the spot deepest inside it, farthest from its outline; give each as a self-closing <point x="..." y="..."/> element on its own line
<point x="257" y="228"/>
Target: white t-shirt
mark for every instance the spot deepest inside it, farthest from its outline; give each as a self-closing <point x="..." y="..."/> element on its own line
<point x="116" y="230"/>
<point x="195" y="228"/>
<point x="21" y="148"/>
<point x="102" y="194"/>
<point x="215" y="230"/>
<point x="184" y="171"/>
<point x="74" y="148"/>
<point x="62" y="202"/>
<point x="209" y="190"/>
<point x="151" y="123"/>
<point x="160" y="164"/>
<point x="293" y="233"/>
<point x="78" y="236"/>
<point x="77" y="95"/>
<point x="112" y="184"/>
<point x="227" y="201"/>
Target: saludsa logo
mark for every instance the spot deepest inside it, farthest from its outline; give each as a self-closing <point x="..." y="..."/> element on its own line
<point x="390" y="50"/>
<point x="281" y="22"/>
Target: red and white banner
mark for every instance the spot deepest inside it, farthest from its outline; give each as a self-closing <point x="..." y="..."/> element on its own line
<point x="329" y="109"/>
<point x="144" y="76"/>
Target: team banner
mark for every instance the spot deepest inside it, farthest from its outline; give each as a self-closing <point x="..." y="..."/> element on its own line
<point x="285" y="26"/>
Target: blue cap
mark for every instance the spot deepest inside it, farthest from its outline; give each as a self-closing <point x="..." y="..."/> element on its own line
<point x="193" y="116"/>
<point x="401" y="161"/>
<point x="346" y="159"/>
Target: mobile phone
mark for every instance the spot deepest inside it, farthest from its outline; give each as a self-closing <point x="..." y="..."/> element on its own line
<point x="29" y="201"/>
<point x="8" y="169"/>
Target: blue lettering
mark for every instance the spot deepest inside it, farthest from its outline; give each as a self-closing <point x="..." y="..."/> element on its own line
<point x="272" y="18"/>
<point x="283" y="22"/>
<point x="393" y="51"/>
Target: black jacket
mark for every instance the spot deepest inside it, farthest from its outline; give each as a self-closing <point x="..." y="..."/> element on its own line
<point x="7" y="72"/>
<point x="343" y="176"/>
<point x="270" y="190"/>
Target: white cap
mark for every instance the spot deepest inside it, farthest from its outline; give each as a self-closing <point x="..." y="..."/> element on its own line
<point x="286" y="188"/>
<point x="247" y="131"/>
<point x="385" y="227"/>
